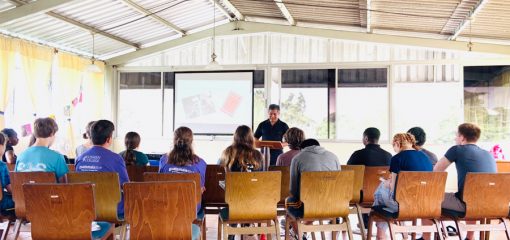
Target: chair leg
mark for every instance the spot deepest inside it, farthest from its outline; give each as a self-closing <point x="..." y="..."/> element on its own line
<point x="17" y="226"/>
<point x="123" y="231"/>
<point x="438" y="230"/>
<point x="370" y="223"/>
<point x="299" y="232"/>
<point x="287" y="223"/>
<point x="220" y="227"/>
<point x="457" y="225"/>
<point x="5" y="231"/>
<point x="269" y="236"/>
<point x="392" y="231"/>
<point x="203" y="229"/>
<point x="506" y="223"/>
<point x="349" y="229"/>
<point x="323" y="234"/>
<point x="361" y="223"/>
<point x="277" y="228"/>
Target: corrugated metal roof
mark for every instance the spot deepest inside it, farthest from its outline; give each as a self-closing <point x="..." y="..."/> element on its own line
<point x="122" y="27"/>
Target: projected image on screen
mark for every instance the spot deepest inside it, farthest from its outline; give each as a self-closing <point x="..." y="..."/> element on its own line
<point x="213" y="103"/>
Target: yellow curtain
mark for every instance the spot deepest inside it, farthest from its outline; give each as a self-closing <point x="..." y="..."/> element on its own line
<point x="8" y="48"/>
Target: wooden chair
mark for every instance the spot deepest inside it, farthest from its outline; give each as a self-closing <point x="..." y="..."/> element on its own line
<point x="214" y="196"/>
<point x="160" y="210"/>
<point x="252" y="198"/>
<point x="5" y="221"/>
<point x="107" y="194"/>
<point x="62" y="211"/>
<point x="419" y="196"/>
<point x="17" y="181"/>
<point x="359" y="171"/>
<point x="285" y="185"/>
<point x="503" y="166"/>
<point x="135" y="173"/>
<point x="172" y="177"/>
<point x="325" y="197"/>
<point x="492" y="206"/>
<point x="371" y="180"/>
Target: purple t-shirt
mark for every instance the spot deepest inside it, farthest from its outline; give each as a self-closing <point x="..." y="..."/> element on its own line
<point x="100" y="159"/>
<point x="286" y="158"/>
<point x="199" y="167"/>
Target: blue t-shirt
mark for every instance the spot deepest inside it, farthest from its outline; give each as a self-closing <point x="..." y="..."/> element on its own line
<point x="410" y="160"/>
<point x="41" y="159"/>
<point x="4" y="175"/>
<point x="199" y="167"/>
<point x="100" y="159"/>
<point x="469" y="158"/>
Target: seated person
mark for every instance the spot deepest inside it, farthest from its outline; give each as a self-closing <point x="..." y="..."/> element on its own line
<point x="12" y="140"/>
<point x="38" y="157"/>
<point x="408" y="158"/>
<point x="87" y="144"/>
<point x="372" y="155"/>
<point x="312" y="158"/>
<point x="131" y="155"/>
<point x="421" y="137"/>
<point x="6" y="203"/>
<point x="294" y="136"/>
<point x="100" y="159"/>
<point x="241" y="155"/>
<point x="468" y="157"/>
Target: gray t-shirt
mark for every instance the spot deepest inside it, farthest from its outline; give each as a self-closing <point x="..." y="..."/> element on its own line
<point x="80" y="150"/>
<point x="469" y="158"/>
<point x="432" y="157"/>
<point x="313" y="158"/>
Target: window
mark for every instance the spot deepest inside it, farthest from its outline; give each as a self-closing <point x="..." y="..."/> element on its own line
<point x="428" y="97"/>
<point x="487" y="101"/>
<point x="259" y="98"/>
<point x="362" y="102"/>
<point x="304" y="100"/>
<point x="140" y="104"/>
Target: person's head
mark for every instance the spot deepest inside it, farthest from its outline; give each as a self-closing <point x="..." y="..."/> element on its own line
<point x="403" y="141"/>
<point x="243" y="136"/>
<point x="101" y="133"/>
<point x="3" y="143"/>
<point x="419" y="135"/>
<point x="467" y="133"/>
<point x="86" y="134"/>
<point x="242" y="152"/>
<point x="274" y="112"/>
<point x="371" y="136"/>
<point x="45" y="128"/>
<point x="182" y="153"/>
<point x="12" y="136"/>
<point x="294" y="136"/>
<point x="131" y="141"/>
<point x="309" y="142"/>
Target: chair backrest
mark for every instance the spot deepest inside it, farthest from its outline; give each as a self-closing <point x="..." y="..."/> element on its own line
<point x="160" y="210"/>
<point x="214" y="194"/>
<point x="107" y="192"/>
<point x="419" y="194"/>
<point x="495" y="191"/>
<point x="359" y="171"/>
<point x="172" y="177"/>
<point x="503" y="166"/>
<point x="371" y="180"/>
<point x="71" y="167"/>
<point x="252" y="195"/>
<point x="60" y="211"/>
<point x="285" y="185"/>
<point x="20" y="178"/>
<point x="135" y="173"/>
<point x="326" y="194"/>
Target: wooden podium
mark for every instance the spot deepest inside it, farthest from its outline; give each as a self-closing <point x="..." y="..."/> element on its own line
<point x="266" y="146"/>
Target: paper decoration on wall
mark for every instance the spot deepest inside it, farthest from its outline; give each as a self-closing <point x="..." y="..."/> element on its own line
<point x="26" y="130"/>
<point x="53" y="117"/>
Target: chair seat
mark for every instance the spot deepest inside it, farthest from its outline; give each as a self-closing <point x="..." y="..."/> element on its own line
<point x="385" y="213"/>
<point x="105" y="229"/>
<point x="452" y="214"/>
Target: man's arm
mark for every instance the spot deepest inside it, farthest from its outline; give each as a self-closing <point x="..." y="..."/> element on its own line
<point x="442" y="165"/>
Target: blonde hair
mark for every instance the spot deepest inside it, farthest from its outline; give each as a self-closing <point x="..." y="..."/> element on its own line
<point x="405" y="139"/>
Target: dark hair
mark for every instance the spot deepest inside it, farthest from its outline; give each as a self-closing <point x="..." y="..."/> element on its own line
<point x="131" y="141"/>
<point x="372" y="134"/>
<point x="182" y="154"/>
<point x="419" y="135"/>
<point x="274" y="107"/>
<point x="470" y="131"/>
<point x="242" y="152"/>
<point x="86" y="135"/>
<point x="9" y="132"/>
<point x="309" y="142"/>
<point x="294" y="136"/>
<point x="100" y="131"/>
<point x="2" y="138"/>
<point x="45" y="127"/>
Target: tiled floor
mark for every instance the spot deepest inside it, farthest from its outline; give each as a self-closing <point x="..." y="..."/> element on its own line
<point x="212" y="232"/>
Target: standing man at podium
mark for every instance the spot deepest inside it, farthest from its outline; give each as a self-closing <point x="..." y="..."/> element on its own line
<point x="272" y="129"/>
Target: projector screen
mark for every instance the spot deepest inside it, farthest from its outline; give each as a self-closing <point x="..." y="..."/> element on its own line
<point x="213" y="103"/>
